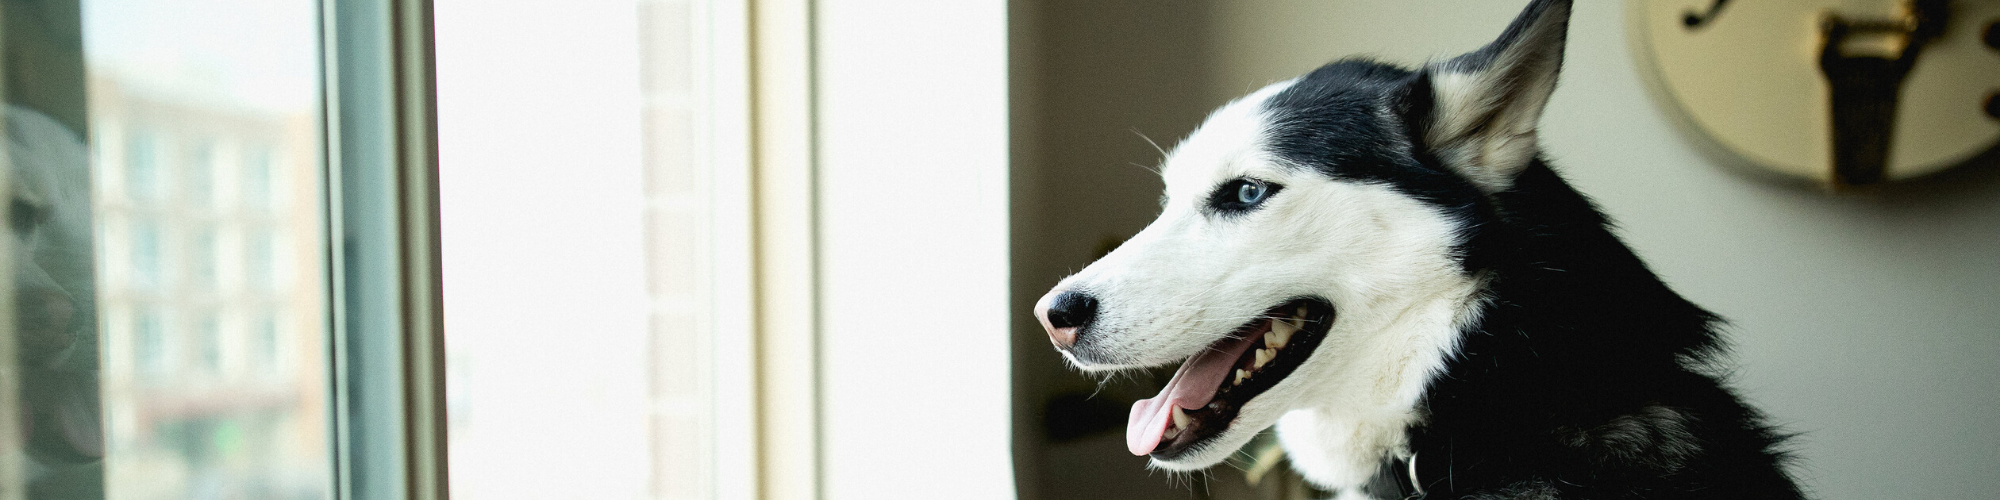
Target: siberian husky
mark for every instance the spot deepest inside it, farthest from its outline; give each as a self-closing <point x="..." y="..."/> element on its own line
<point x="55" y="294"/>
<point x="1378" y="261"/>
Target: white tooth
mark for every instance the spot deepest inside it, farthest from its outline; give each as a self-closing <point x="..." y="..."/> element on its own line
<point x="1302" y="312"/>
<point x="1263" y="356"/>
<point x="1180" y="418"/>
<point x="1280" y="334"/>
<point x="1172" y="433"/>
<point x="1240" y="375"/>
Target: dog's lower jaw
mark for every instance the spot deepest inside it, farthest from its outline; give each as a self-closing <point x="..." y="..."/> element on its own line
<point x="1337" y="451"/>
<point x="1218" y="449"/>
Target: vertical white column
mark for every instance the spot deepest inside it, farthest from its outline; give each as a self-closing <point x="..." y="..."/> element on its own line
<point x="912" y="134"/>
<point x="543" y="198"/>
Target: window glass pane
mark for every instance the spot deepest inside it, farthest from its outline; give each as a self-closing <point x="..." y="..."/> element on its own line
<point x="167" y="273"/>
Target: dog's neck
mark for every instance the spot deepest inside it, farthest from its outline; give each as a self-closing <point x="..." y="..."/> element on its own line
<point x="1570" y="312"/>
<point x="1362" y="416"/>
<point x="1583" y="366"/>
<point x="1581" y="317"/>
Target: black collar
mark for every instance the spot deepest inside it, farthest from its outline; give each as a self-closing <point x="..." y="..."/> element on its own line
<point x="1396" y="479"/>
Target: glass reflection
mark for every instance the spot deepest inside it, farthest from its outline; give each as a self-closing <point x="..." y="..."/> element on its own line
<point x="168" y="325"/>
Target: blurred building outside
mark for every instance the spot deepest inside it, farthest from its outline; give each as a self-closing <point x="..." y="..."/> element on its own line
<point x="211" y="297"/>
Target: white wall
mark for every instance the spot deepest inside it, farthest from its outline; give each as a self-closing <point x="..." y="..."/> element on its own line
<point x="1868" y="323"/>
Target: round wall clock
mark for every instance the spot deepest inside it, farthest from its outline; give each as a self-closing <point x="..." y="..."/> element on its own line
<point x="1837" y="92"/>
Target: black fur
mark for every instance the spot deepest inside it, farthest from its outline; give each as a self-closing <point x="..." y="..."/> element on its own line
<point x="1329" y="121"/>
<point x="1586" y="377"/>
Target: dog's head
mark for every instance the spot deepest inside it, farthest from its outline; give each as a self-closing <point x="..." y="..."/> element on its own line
<point x="1312" y="247"/>
<point x="48" y="214"/>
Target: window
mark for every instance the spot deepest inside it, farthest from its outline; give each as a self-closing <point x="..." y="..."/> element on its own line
<point x="202" y="258"/>
<point x="250" y="249"/>
<point x="180" y="346"/>
<point x="687" y="250"/>
<point x="200" y="174"/>
<point x="142" y="166"/>
<point x="150" y="349"/>
<point x="257" y="178"/>
<point x="267" y="351"/>
<point x="259" y="261"/>
<point x="147" y="271"/>
<point x="209" y="343"/>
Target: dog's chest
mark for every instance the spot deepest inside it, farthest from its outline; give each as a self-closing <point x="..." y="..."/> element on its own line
<point x="1341" y="452"/>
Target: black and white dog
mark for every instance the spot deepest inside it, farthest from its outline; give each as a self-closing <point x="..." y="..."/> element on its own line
<point x="1378" y="261"/>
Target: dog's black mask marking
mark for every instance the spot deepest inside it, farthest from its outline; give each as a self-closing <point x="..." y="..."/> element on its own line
<point x="1332" y="121"/>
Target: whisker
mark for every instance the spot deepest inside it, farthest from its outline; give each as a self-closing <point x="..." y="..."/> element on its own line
<point x="1155" y="171"/>
<point x="1149" y="140"/>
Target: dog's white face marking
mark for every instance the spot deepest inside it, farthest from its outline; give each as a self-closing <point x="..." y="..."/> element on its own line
<point x="1381" y="258"/>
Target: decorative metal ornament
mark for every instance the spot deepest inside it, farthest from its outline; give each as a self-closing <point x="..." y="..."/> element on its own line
<point x="1838" y="92"/>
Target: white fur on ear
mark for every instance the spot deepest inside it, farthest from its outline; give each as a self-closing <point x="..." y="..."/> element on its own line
<point x="1477" y="112"/>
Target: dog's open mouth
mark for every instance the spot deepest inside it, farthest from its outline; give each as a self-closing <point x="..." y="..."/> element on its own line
<point x="1204" y="396"/>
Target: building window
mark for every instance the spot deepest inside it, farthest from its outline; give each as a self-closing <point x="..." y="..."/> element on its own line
<point x="147" y="257"/>
<point x="259" y="262"/>
<point x="257" y="178"/>
<point x="265" y="345"/>
<point x="149" y="344"/>
<point x="209" y="342"/>
<point x="202" y="259"/>
<point x="200" y="168"/>
<point x="142" y="165"/>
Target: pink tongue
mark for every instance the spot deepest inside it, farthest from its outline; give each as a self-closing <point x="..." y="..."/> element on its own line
<point x="1192" y="388"/>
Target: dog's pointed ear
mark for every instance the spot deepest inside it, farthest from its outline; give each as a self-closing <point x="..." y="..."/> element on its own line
<point x="1475" y="114"/>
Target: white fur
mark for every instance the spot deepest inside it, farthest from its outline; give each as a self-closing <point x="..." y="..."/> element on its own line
<point x="1381" y="257"/>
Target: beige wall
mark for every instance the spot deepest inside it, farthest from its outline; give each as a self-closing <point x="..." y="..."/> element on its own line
<point x="1867" y="322"/>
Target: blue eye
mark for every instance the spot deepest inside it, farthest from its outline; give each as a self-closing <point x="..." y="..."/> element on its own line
<point x="1251" y="192"/>
<point x="1241" y="195"/>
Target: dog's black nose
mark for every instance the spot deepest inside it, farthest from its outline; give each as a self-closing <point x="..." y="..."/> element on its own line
<point x="1065" y="312"/>
<point x="1072" y="310"/>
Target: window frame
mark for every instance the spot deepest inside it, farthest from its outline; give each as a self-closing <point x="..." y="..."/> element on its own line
<point x="772" y="59"/>
<point x="386" y="316"/>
